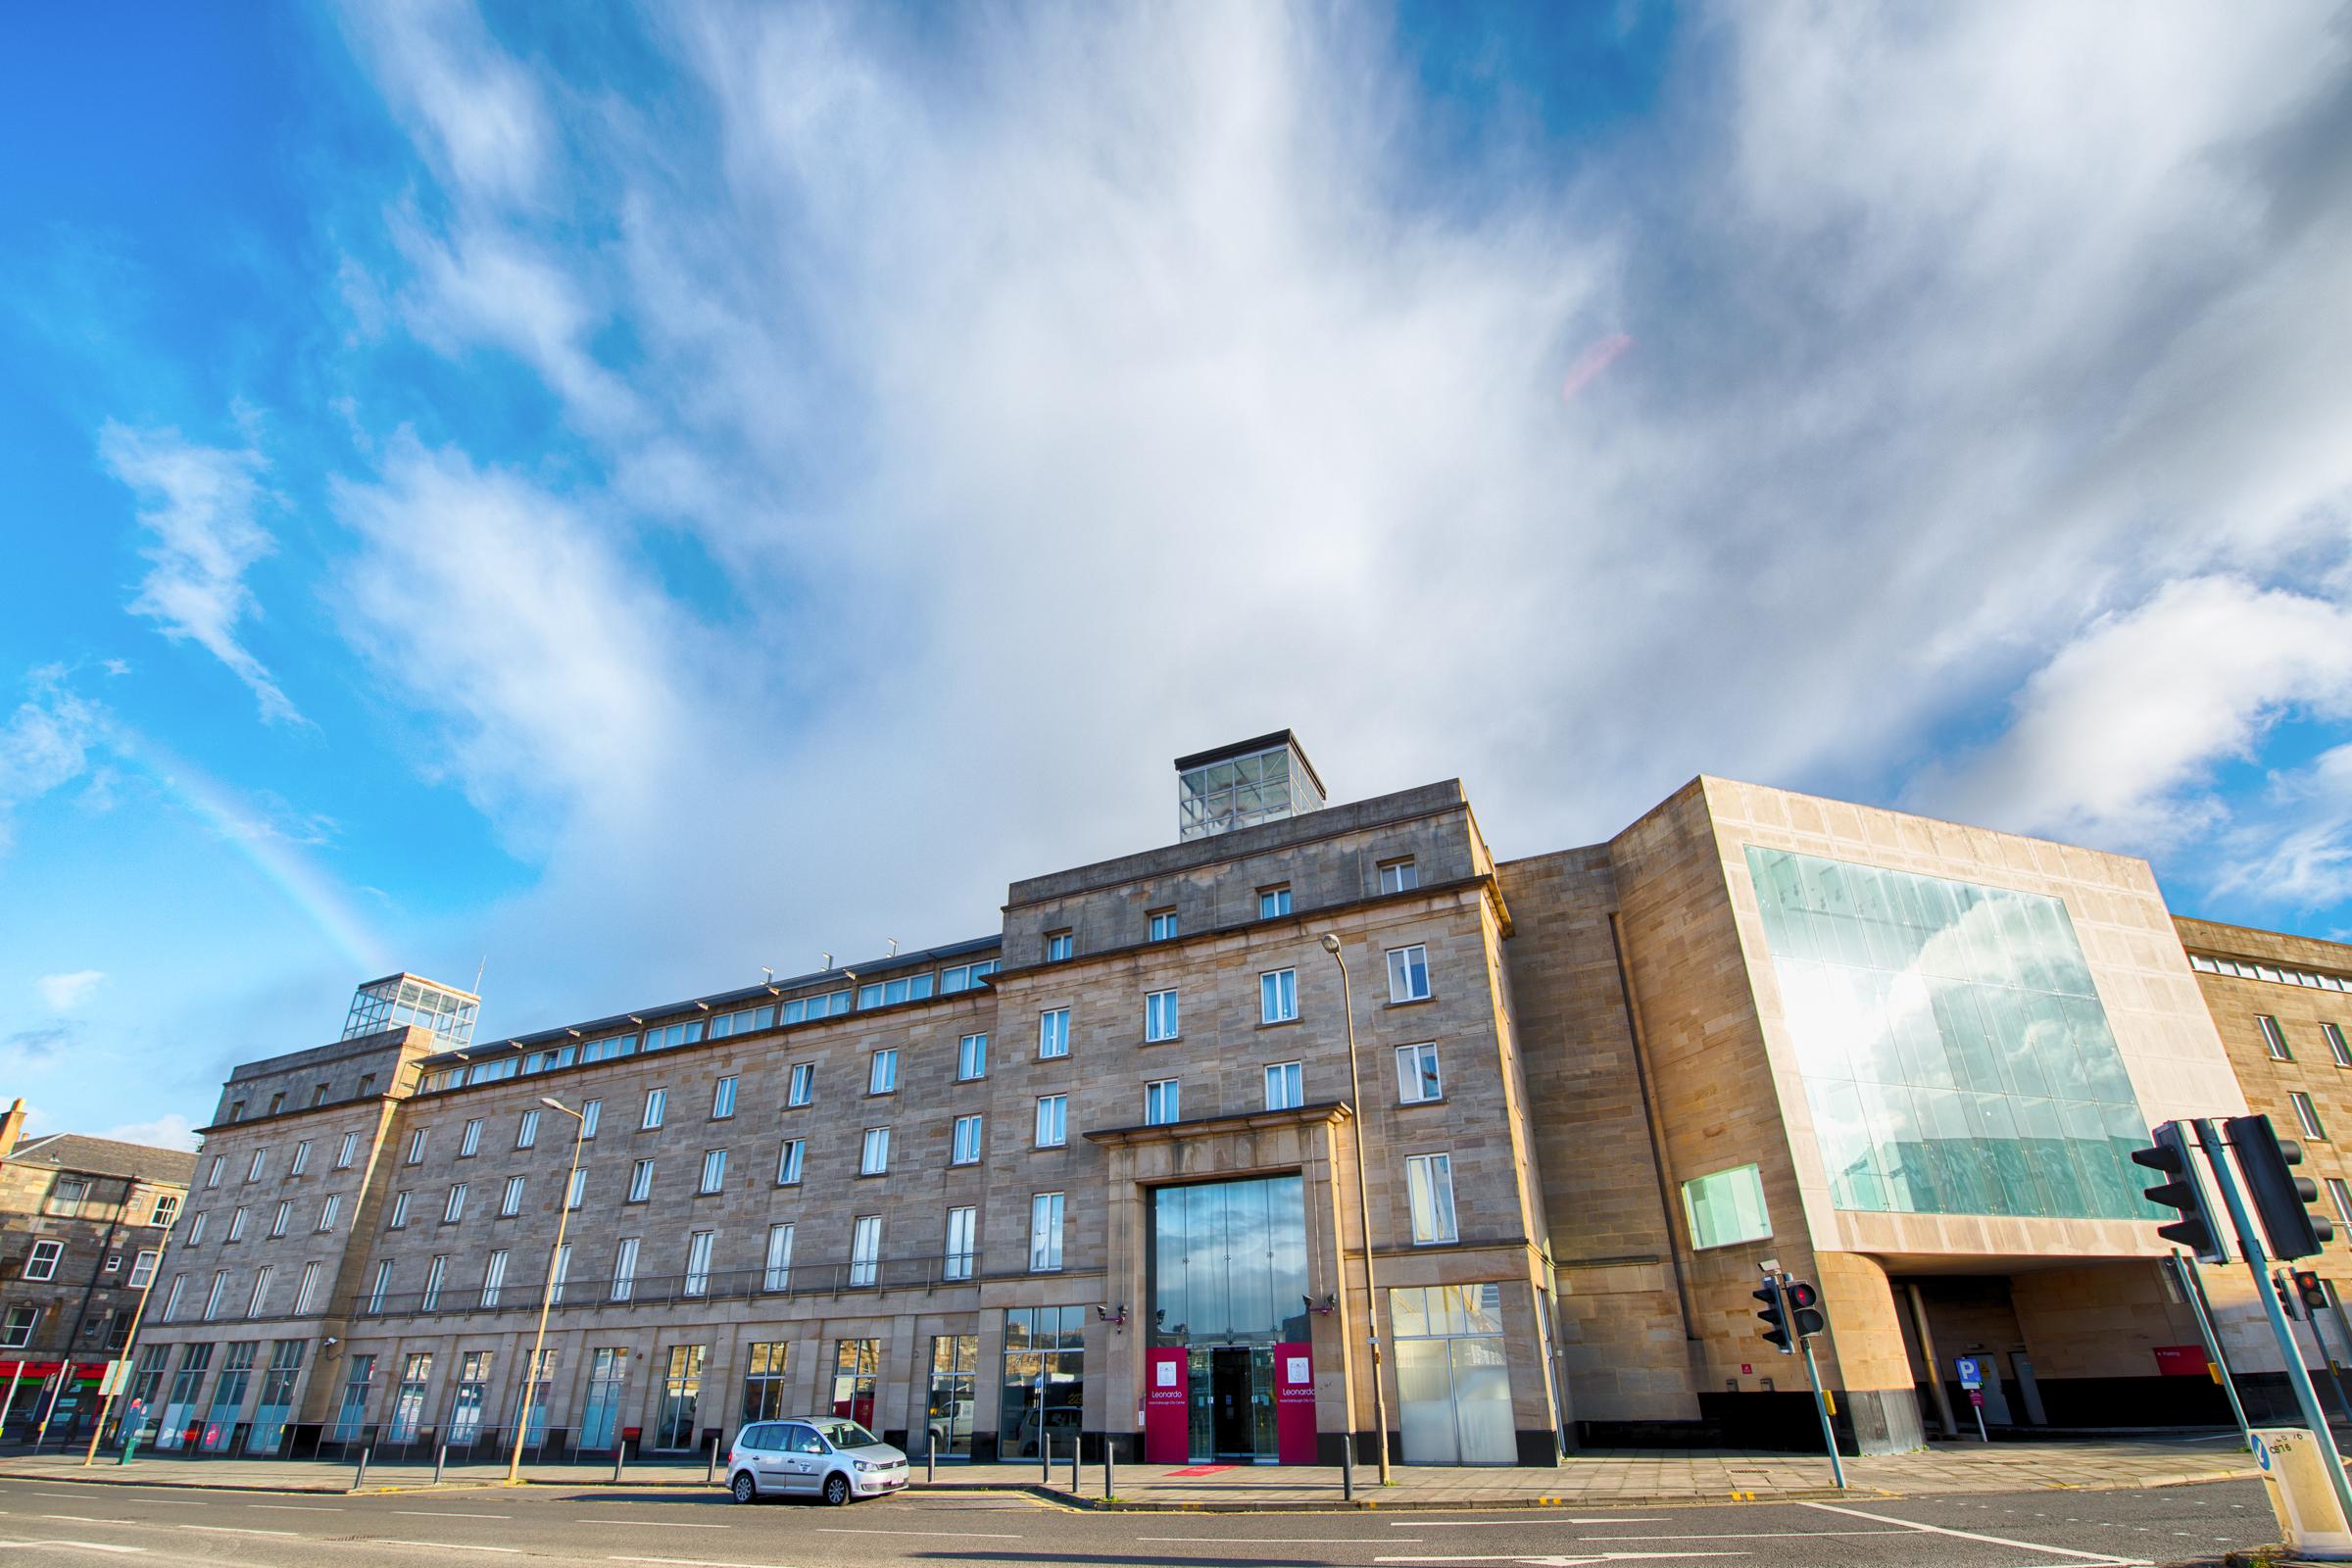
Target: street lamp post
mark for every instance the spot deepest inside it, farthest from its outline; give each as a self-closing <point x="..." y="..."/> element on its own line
<point x="1363" y="1210"/>
<point x="547" y="1290"/>
<point x="130" y="1337"/>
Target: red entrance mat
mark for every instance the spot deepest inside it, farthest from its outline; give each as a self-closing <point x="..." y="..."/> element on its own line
<point x="1204" y="1470"/>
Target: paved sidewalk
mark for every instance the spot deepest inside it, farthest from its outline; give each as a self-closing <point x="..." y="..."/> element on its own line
<point x="1618" y="1477"/>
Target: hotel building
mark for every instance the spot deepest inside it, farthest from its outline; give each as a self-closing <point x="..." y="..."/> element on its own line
<point x="1108" y="1172"/>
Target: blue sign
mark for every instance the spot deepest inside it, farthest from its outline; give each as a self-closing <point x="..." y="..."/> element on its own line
<point x="1971" y="1375"/>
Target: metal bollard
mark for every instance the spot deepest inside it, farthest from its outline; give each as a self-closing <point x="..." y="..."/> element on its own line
<point x="440" y="1461"/>
<point x="1045" y="1464"/>
<point x="618" y="1454"/>
<point x="1348" y="1467"/>
<point x="712" y="1475"/>
<point x="361" y="1480"/>
<point x="1076" y="1441"/>
<point x="1110" y="1470"/>
<point x="931" y="1463"/>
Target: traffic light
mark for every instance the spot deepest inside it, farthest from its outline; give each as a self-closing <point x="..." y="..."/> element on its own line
<point x="1775" y="1315"/>
<point x="1804" y="1309"/>
<point x="2287" y="1302"/>
<point x="2314" y="1294"/>
<point x="2195" y="1230"/>
<point x="2280" y="1195"/>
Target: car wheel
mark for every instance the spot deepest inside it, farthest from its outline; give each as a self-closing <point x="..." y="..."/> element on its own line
<point x="746" y="1490"/>
<point x="837" y="1488"/>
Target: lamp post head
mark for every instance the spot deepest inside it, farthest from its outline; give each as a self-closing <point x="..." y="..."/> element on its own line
<point x="1331" y="942"/>
<point x="553" y="1104"/>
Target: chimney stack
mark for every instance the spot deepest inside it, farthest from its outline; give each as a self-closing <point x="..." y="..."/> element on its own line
<point x="12" y="1126"/>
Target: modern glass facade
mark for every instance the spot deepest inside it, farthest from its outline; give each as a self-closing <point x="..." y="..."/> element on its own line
<point x="1045" y="1379"/>
<point x="1955" y="1055"/>
<point x="1228" y="1262"/>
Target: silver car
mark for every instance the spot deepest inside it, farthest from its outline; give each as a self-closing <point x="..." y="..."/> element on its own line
<point x="812" y="1457"/>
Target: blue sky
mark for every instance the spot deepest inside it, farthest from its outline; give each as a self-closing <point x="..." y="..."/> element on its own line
<point x="627" y="496"/>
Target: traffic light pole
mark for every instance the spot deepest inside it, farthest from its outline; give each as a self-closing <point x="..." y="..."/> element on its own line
<point x="2249" y="1240"/>
<point x="1829" y="1434"/>
<point x="2193" y="1289"/>
<point x="2284" y="1280"/>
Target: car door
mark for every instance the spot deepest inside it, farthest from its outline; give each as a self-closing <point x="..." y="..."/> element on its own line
<point x="792" y="1461"/>
<point x="815" y="1458"/>
<point x="763" y="1454"/>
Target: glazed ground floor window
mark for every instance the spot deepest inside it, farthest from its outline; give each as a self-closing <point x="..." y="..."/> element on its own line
<point x="1453" y="1382"/>
<point x="1045" y="1379"/>
<point x="954" y="1382"/>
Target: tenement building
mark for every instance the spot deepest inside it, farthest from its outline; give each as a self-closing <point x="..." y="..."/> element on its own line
<point x="1157" y="1163"/>
<point x="82" y="1222"/>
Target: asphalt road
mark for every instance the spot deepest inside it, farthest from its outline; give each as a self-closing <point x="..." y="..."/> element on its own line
<point x="43" y="1523"/>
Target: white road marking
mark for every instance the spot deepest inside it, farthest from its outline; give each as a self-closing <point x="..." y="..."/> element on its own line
<point x="301" y="1507"/>
<point x="1289" y="1541"/>
<point x="77" y="1518"/>
<point x="1501" y="1524"/>
<point x="952" y="1534"/>
<point x="83" y="1545"/>
<point x="1967" y="1534"/>
<point x="232" y="1530"/>
<point x="1752" y="1535"/>
<point x="447" y="1513"/>
<point x="658" y="1524"/>
<point x="437" y="1545"/>
<point x="695" y="1562"/>
<point x="1567" y="1560"/>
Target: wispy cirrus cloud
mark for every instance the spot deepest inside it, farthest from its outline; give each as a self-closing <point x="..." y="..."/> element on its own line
<point x="63" y="992"/>
<point x="45" y="744"/>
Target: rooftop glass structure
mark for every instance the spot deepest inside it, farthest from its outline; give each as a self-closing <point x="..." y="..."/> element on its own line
<point x="401" y="1000"/>
<point x="1245" y="784"/>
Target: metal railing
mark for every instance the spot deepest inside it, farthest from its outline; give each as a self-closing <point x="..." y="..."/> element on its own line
<point x="577" y="1291"/>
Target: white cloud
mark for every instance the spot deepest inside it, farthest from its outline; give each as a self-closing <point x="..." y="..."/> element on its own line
<point x="63" y="992"/>
<point x="2294" y="849"/>
<point x="198" y="505"/>
<point x="46" y="743"/>
<point x="476" y="112"/>
<point x="172" y="1131"/>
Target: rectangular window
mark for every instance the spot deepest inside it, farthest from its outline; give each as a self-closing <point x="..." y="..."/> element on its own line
<point x="865" y="1250"/>
<point x="788" y="1163"/>
<point x="470" y="1142"/>
<point x="196" y="1227"/>
<point x="434" y="1274"/>
<point x="1286" y="1086"/>
<point x="254" y="1168"/>
<point x="142" y="1268"/>
<point x="1060" y="945"/>
<point x="171" y="1296"/>
<point x="723" y="1099"/>
<point x="381" y="1288"/>
<point x="578" y="1192"/>
<point x="562" y="1272"/>
<point x="167" y="1210"/>
<point x="261" y="1291"/>
<point x="1053" y="1033"/>
<point x="874" y="1158"/>
<point x="1429" y="1182"/>
<point x="2274" y="1040"/>
<point x="211" y="1176"/>
<point x="779" y="1259"/>
<point x="963" y="1244"/>
<point x="1044" y="1232"/>
<point x="494" y="1277"/>
<point x="236" y="1225"/>
<point x="281" y="1220"/>
<point x="882" y="1073"/>
<point x="655" y="1101"/>
<point x="301" y="1161"/>
<point x="1398" y="876"/>
<point x="714" y="1170"/>
<point x="1278" y="997"/>
<point x="1408" y="974"/>
<point x="1165" y="925"/>
<point x="831" y="1005"/>
<point x="889" y="993"/>
<point x="662" y="1037"/>
<point x="1161" y="1098"/>
<point x="306" y="1294"/>
<point x="2334" y="1034"/>
<point x="526" y="1132"/>
<point x="416" y="1146"/>
<point x="698" y="1262"/>
<point x="624" y="1269"/>
<point x="217" y="1294"/>
<point x="964" y="1149"/>
<point x="347" y="1151"/>
<point x="18" y="1332"/>
<point x="1052" y="1120"/>
<point x="2307" y="1115"/>
<point x="971" y="1057"/>
<point x="1726" y="1208"/>
<point x="509" y="1201"/>
<point x="804" y="1084"/>
<point x="964" y="976"/>
<point x="42" y="1263"/>
<point x="641" y="1181"/>
<point x="591" y="1112"/>
<point x="1418" y="1077"/>
<point x="1273" y="902"/>
<point x="1159" y="1015"/>
<point x="454" y="1210"/>
<point x="328" y="1210"/>
<point x="2339" y="1196"/>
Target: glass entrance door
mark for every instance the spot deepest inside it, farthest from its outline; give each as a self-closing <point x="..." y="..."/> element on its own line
<point x="1232" y="1402"/>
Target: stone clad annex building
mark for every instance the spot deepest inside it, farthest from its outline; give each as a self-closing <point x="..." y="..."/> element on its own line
<point x="1095" y="1175"/>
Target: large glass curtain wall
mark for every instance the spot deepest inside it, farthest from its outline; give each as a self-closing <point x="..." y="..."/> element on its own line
<point x="1955" y="1055"/>
<point x="1228" y="1262"/>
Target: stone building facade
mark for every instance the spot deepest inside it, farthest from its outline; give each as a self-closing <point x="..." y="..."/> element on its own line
<point x="1105" y="1175"/>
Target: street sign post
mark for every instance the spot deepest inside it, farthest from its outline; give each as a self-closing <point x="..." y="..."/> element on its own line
<point x="1971" y="1378"/>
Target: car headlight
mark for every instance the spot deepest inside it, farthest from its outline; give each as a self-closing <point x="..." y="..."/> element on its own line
<point x="864" y="1465"/>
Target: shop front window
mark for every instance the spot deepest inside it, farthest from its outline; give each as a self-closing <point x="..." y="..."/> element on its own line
<point x="948" y="1414"/>
<point x="764" y="1381"/>
<point x="1045" y="1382"/>
<point x="681" y="1390"/>
<point x="1453" y="1383"/>
<point x="600" y="1416"/>
<point x="466" y="1405"/>
<point x="857" y="1366"/>
<point x="229" y="1396"/>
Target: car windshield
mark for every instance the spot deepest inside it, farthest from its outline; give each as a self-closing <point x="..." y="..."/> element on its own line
<point x="846" y="1434"/>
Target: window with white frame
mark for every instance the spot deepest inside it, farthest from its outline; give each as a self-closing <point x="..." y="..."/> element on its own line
<point x="963" y="1244"/>
<point x="526" y="1132"/>
<point x="454" y="1210"/>
<point x="1428" y="1184"/>
<point x="216" y="1296"/>
<point x="19" y="1331"/>
<point x="196" y="1227"/>
<point x="592" y="1112"/>
<point x="964" y="1147"/>
<point x="347" y="1151"/>
<point x="971" y="1057"/>
<point x="873" y="1158"/>
<point x="212" y="1175"/>
<point x="964" y="976"/>
<point x="494" y="1277"/>
<point x="1053" y="1033"/>
<point x="254" y="1167"/>
<point x="788" y="1163"/>
<point x="641" y="1181"/>
<point x="1408" y="974"/>
<point x="167" y="1210"/>
<point x="1059" y="946"/>
<point x="656" y="1101"/>
<point x="577" y="1191"/>
<point x="41" y="1263"/>
<point x="1273" y="902"/>
<point x="865" y="1250"/>
<point x="2274" y="1040"/>
<point x="329" y="1211"/>
<point x="469" y="1143"/>
<point x="778" y="1273"/>
<point x="698" y="1262"/>
<point x="261" y="1291"/>
<point x="399" y="1211"/>
<point x="142" y="1268"/>
<point x="2341" y="1197"/>
<point x="1398" y="876"/>
<point x="882" y="1072"/>
<point x="1052" y="1120"/>
<point x="301" y="1161"/>
<point x="1278" y="995"/>
<point x="1417" y="1076"/>
<point x="1286" y="1086"/>
<point x="416" y="1146"/>
<point x="803" y="1086"/>
<point x="2307" y="1116"/>
<point x="381" y="1287"/>
<point x="509" y="1201"/>
<point x="714" y="1170"/>
<point x="1044" y="1232"/>
<point x="723" y="1099"/>
<point x="179" y="1283"/>
<point x="624" y="1269"/>
<point x="236" y="1224"/>
<point x="1161" y="1099"/>
<point x="2334" y="1034"/>
<point x="889" y="993"/>
<point x="1165" y="927"/>
<point x="282" y="1218"/>
<point x="434" y="1274"/>
<point x="562" y="1272"/>
<point x="1159" y="1015"/>
<point x="306" y="1294"/>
